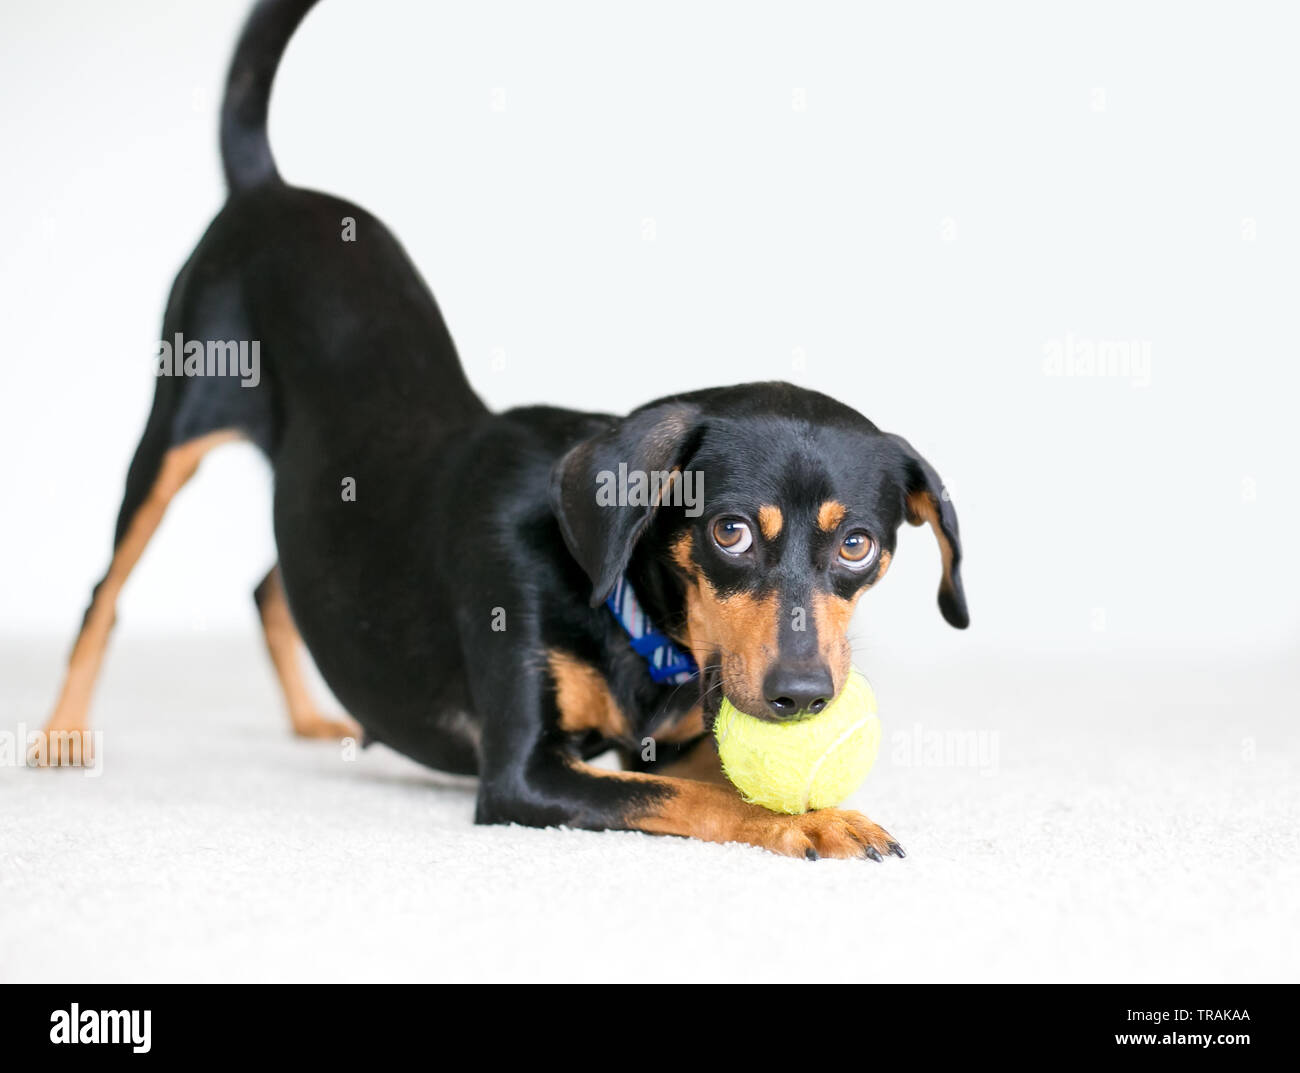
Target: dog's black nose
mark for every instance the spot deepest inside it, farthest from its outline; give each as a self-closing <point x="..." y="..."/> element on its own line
<point x="792" y="691"/>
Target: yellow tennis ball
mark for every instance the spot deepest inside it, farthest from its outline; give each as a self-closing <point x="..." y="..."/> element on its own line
<point x="809" y="764"/>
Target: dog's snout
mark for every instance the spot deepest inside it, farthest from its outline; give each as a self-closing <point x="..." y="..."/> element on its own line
<point x="791" y="691"/>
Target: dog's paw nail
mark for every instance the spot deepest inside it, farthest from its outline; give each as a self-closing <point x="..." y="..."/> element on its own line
<point x="874" y="853"/>
<point x="812" y="854"/>
<point x="897" y="850"/>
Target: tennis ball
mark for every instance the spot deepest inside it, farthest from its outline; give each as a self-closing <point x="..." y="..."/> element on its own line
<point x="809" y="764"/>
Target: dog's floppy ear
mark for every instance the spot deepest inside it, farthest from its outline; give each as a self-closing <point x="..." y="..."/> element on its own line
<point x="926" y="500"/>
<point x="601" y="533"/>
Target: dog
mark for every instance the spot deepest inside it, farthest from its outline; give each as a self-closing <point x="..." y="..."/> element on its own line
<point x="508" y="595"/>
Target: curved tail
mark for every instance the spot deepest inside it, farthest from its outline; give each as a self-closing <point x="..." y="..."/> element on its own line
<point x="245" y="149"/>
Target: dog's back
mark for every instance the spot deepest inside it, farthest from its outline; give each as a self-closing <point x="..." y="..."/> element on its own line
<point x="299" y="324"/>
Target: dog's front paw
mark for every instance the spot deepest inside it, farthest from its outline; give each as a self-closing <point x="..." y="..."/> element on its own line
<point x="829" y="832"/>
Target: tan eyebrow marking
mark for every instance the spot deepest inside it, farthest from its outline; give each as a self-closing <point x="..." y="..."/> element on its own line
<point x="770" y="521"/>
<point x="830" y="514"/>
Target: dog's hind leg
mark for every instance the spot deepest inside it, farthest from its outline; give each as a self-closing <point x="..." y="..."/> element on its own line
<point x="285" y="645"/>
<point x="225" y="398"/>
<point x="156" y="475"/>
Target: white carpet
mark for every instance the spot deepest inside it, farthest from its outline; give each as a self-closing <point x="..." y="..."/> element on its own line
<point x="1131" y="822"/>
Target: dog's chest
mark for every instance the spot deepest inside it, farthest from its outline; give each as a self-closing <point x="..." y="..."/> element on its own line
<point x="589" y="704"/>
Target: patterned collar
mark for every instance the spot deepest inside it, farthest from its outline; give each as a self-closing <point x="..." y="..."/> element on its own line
<point x="665" y="661"/>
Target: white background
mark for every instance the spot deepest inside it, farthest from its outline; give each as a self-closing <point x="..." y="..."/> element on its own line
<point x="961" y="188"/>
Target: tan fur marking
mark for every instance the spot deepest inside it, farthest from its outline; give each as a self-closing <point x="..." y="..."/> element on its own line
<point x="584" y="699"/>
<point x="742" y="629"/>
<point x="701" y="764"/>
<point x="830" y="514"/>
<point x="921" y="508"/>
<point x="718" y="814"/>
<point x="284" y="643"/>
<point x="682" y="555"/>
<point x="178" y="466"/>
<point x="832" y="616"/>
<point x="770" y="521"/>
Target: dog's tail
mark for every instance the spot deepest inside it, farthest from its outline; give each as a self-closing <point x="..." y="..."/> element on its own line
<point x="245" y="149"/>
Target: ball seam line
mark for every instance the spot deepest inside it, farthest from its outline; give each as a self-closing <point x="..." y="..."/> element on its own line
<point x="812" y="775"/>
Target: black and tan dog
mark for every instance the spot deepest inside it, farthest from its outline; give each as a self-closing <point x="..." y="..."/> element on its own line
<point x="449" y="568"/>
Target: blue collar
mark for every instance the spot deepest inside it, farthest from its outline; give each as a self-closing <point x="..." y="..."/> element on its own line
<point x="665" y="661"/>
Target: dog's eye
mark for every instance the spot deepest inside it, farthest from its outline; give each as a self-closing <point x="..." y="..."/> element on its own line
<point x="732" y="535"/>
<point x="858" y="550"/>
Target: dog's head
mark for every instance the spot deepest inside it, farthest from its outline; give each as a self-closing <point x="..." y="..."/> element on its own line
<point x="757" y="516"/>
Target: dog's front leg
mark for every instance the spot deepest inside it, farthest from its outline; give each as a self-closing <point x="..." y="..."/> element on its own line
<point x="552" y="788"/>
<point x="558" y="790"/>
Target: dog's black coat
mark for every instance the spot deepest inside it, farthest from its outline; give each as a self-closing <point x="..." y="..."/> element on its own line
<point x="462" y="516"/>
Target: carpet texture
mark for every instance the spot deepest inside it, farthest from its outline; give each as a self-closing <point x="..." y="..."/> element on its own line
<point x="1088" y="820"/>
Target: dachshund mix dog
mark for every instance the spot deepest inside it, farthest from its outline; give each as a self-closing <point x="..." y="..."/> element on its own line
<point x="510" y="594"/>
